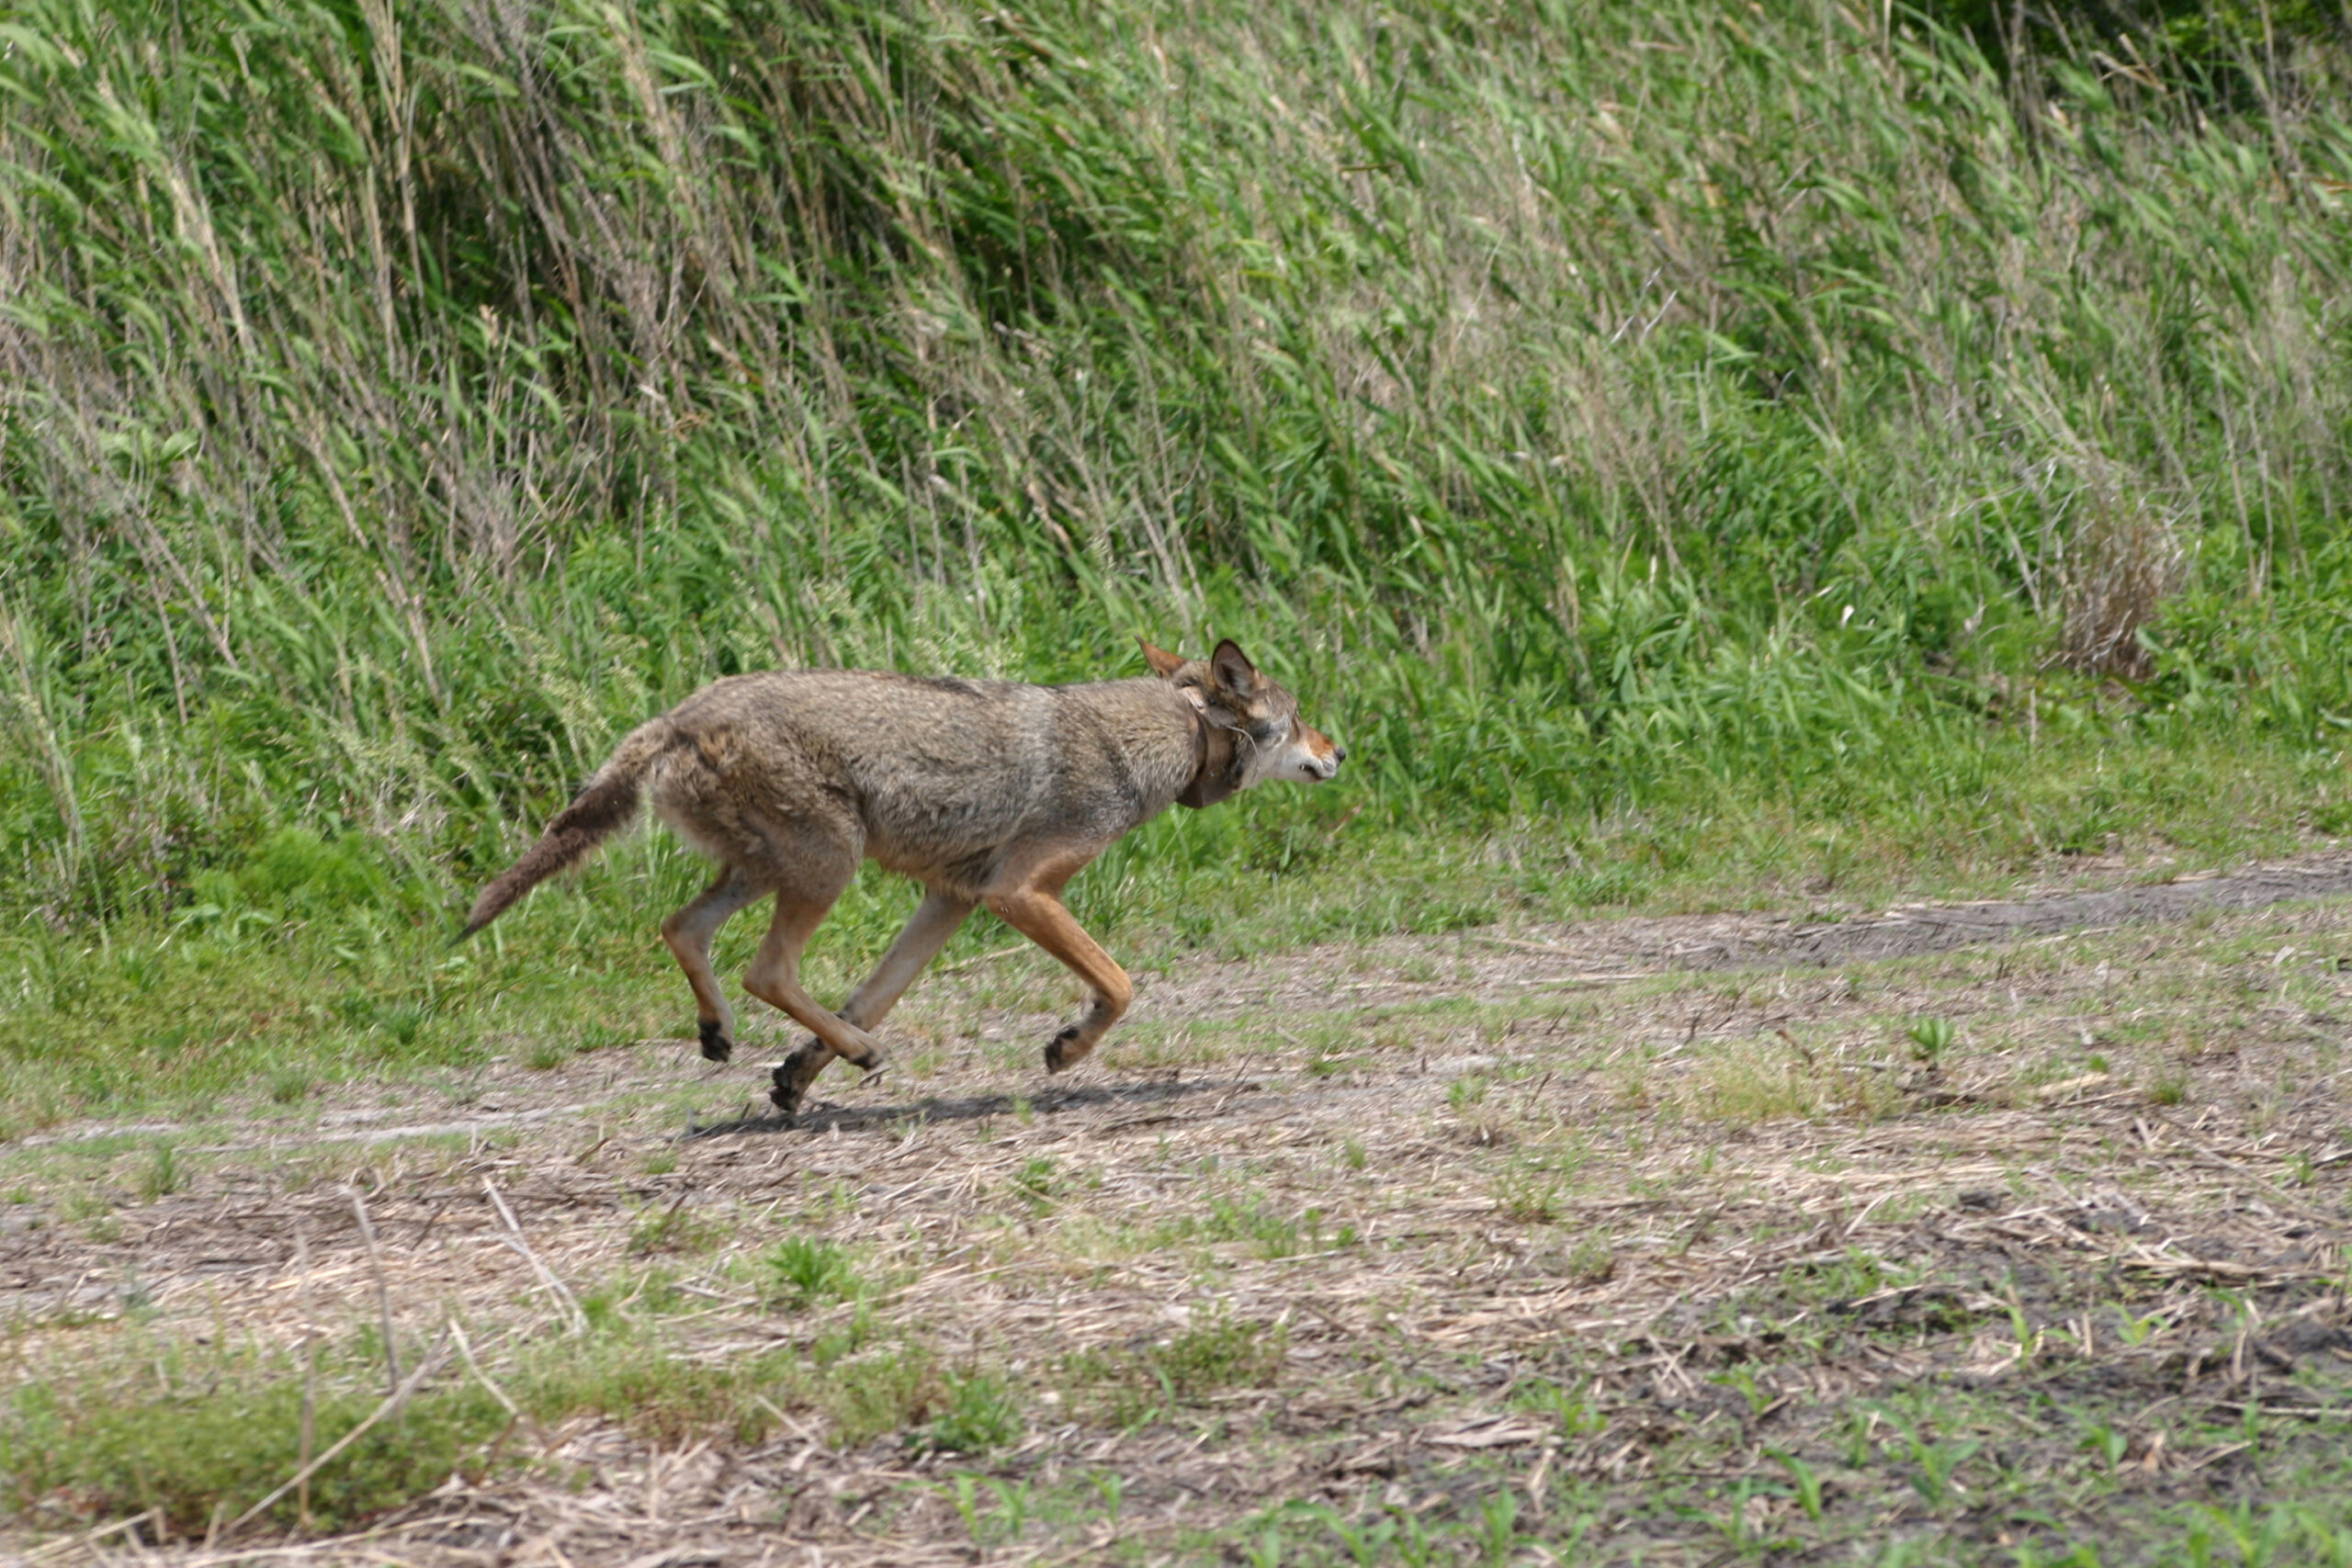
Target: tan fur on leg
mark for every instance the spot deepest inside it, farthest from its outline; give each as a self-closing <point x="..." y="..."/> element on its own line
<point x="775" y="979"/>
<point x="1038" y="913"/>
<point x="919" y="942"/>
<point x="689" y="933"/>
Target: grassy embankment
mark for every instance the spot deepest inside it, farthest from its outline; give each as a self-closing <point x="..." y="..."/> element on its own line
<point x="1685" y="459"/>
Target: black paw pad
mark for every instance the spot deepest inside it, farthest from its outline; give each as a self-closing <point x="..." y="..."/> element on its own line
<point x="785" y="1095"/>
<point x="716" y="1046"/>
<point x="1057" y="1050"/>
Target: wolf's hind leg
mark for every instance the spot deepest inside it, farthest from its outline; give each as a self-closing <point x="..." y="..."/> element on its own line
<point x="934" y="922"/>
<point x="775" y="973"/>
<point x="1038" y="913"/>
<point x="689" y="932"/>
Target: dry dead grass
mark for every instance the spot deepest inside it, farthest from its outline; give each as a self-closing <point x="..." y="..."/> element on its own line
<point x="1436" y="1176"/>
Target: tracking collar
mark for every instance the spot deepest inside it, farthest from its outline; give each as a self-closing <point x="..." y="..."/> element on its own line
<point x="1217" y="756"/>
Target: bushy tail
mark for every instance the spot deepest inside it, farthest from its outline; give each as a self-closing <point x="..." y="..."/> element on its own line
<point x="603" y="806"/>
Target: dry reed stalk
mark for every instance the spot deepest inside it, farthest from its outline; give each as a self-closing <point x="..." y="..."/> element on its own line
<point x="466" y="1351"/>
<point x="310" y="1376"/>
<point x="87" y="1541"/>
<point x="574" y="1316"/>
<point x="383" y="1291"/>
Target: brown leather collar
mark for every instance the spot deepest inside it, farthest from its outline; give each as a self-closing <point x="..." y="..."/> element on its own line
<point x="1216" y="762"/>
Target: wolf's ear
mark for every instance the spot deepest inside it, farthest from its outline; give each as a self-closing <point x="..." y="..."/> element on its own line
<point x="1233" y="670"/>
<point x="1162" y="662"/>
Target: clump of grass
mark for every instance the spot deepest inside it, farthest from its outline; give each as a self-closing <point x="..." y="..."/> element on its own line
<point x="1931" y="1039"/>
<point x="1140" y="1382"/>
<point x="1573" y="1408"/>
<point x="1751" y="1081"/>
<point x="161" y="1175"/>
<point x="1589" y="1262"/>
<point x="803" y="1272"/>
<point x="673" y="1228"/>
<point x="224" y="1437"/>
<point x="86" y="1205"/>
<point x="882" y="1393"/>
<point x="1529" y="1195"/>
<point x="602" y="1036"/>
<point x="981" y="1414"/>
<point x="625" y="1371"/>
<point x="1035" y="1183"/>
<point x="1273" y="1234"/>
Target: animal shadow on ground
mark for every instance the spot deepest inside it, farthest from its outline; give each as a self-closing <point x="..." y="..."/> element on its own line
<point x="825" y="1116"/>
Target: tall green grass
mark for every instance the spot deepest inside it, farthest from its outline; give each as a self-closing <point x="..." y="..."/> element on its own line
<point x="1719" y="426"/>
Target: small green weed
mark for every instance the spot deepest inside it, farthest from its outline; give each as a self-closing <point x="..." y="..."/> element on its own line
<point x="877" y="1396"/>
<point x="981" y="1414"/>
<point x="808" y="1271"/>
<point x="1572" y="1407"/>
<point x="1931" y="1039"/>
<point x="1145" y="1382"/>
<point x="161" y="1175"/>
<point x="1273" y="1235"/>
<point x="1034" y="1184"/>
<point x="1938" y="1465"/>
<point x="1807" y="1483"/>
<point x="1004" y="1524"/>
<point x="673" y="1229"/>
<point x="1529" y="1195"/>
<point x="1589" y="1262"/>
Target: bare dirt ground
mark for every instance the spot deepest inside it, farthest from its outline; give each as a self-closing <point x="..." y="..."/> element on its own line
<point x="1989" y="1228"/>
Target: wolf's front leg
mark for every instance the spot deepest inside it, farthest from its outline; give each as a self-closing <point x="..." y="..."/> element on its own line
<point x="1038" y="914"/>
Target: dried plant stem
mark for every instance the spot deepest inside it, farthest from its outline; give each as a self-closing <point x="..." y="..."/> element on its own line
<point x="383" y="1291"/>
<point x="309" y="1378"/>
<point x="573" y="1315"/>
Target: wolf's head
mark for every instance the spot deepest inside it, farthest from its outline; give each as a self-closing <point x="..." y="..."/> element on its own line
<point x="1269" y="741"/>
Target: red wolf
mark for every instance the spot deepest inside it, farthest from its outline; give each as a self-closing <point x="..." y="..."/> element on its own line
<point x="986" y="792"/>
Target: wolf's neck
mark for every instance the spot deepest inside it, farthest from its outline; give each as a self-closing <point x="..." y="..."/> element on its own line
<point x="1216" y="761"/>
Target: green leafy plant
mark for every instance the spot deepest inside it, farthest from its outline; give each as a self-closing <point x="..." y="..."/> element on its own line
<point x="981" y="1414"/>
<point x="1931" y="1039"/>
<point x="808" y="1272"/>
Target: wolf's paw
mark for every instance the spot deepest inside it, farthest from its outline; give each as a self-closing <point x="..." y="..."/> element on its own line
<point x="784" y="1094"/>
<point x="1058" y="1052"/>
<point x="716" y="1046"/>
